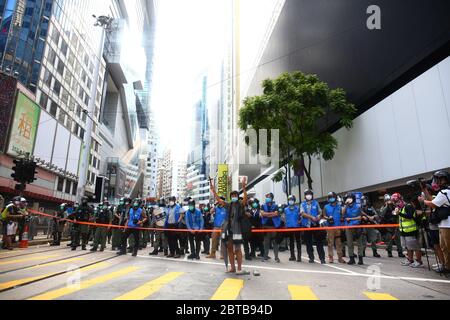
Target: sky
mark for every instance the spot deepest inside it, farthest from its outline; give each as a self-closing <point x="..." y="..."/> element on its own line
<point x="189" y="41"/>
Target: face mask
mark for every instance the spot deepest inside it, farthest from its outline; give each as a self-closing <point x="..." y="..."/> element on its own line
<point x="191" y="208"/>
<point x="332" y="200"/>
<point x="171" y="203"/>
<point x="435" y="186"/>
<point x="268" y="200"/>
<point x="121" y="203"/>
<point x="309" y="197"/>
<point x="291" y="203"/>
<point x="136" y="205"/>
<point x="206" y="209"/>
<point x="234" y="200"/>
<point x="255" y="206"/>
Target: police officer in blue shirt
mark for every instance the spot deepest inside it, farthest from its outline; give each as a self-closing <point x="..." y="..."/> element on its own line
<point x="134" y="221"/>
<point x="333" y="215"/>
<point x="352" y="217"/>
<point x="311" y="213"/>
<point x="293" y="221"/>
<point x="270" y="220"/>
<point x="194" y="221"/>
<point x="219" y="213"/>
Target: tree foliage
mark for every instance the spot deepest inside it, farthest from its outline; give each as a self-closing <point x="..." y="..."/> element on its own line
<point x="302" y="107"/>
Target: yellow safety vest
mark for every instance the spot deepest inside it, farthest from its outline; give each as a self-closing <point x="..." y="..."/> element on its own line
<point x="407" y="225"/>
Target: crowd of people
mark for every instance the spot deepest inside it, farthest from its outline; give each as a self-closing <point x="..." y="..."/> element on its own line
<point x="225" y="227"/>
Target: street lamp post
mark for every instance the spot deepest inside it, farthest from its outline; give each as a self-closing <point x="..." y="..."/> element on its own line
<point x="105" y="23"/>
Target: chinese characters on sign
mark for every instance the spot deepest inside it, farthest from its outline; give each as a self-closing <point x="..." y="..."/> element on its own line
<point x="24" y="126"/>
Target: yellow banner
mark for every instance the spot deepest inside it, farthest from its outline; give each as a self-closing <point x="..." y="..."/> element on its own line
<point x="222" y="183"/>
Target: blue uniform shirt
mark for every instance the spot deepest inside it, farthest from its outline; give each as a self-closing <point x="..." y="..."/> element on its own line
<point x="292" y="217"/>
<point x="219" y="217"/>
<point x="276" y="220"/>
<point x="353" y="212"/>
<point x="335" y="212"/>
<point x="194" y="220"/>
<point x="134" y="215"/>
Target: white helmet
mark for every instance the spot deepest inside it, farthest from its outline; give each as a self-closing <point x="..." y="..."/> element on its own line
<point x="387" y="197"/>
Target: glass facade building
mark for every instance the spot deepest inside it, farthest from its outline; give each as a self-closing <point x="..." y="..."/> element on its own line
<point x="24" y="27"/>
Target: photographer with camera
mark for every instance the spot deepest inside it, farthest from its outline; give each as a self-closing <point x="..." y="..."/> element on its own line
<point x="332" y="213"/>
<point x="391" y="235"/>
<point x="409" y="230"/>
<point x="441" y="213"/>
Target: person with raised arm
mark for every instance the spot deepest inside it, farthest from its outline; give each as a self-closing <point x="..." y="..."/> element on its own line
<point x="231" y="233"/>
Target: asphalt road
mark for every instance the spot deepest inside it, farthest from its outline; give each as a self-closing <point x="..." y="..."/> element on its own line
<point x="56" y="273"/>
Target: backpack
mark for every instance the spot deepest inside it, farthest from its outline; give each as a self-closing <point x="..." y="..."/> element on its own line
<point x="440" y="214"/>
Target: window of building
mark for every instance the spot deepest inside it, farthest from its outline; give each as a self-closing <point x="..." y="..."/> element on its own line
<point x="53" y="108"/>
<point x="57" y="87"/>
<point x="48" y="78"/>
<point x="43" y="100"/>
<point x="68" y="186"/>
<point x="60" y="185"/>
<point x="60" y="67"/>
<point x="64" y="47"/>
<point x="51" y="56"/>
<point x="62" y="116"/>
<point x="81" y="133"/>
<point x="74" y="188"/>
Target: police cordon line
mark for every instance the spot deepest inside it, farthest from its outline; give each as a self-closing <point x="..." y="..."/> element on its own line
<point x="177" y="229"/>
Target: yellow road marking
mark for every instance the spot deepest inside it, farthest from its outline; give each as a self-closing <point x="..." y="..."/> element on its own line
<point x="150" y="288"/>
<point x="14" y="283"/>
<point x="379" y="296"/>
<point x="302" y="293"/>
<point x="229" y="290"/>
<point x="54" y="294"/>
<point x="55" y="263"/>
<point x="27" y="259"/>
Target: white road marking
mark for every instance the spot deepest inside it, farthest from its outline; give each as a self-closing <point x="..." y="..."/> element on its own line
<point x="354" y="274"/>
<point x="331" y="266"/>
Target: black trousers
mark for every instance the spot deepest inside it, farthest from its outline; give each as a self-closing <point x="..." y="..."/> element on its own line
<point x="318" y="236"/>
<point x="195" y="242"/>
<point x="57" y="237"/>
<point x="172" y="239"/>
<point x="207" y="242"/>
<point x="256" y="243"/>
<point x="295" y="238"/>
<point x="246" y="236"/>
<point x="125" y="235"/>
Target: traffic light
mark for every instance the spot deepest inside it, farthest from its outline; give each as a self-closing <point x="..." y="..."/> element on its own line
<point x="19" y="170"/>
<point x="30" y="172"/>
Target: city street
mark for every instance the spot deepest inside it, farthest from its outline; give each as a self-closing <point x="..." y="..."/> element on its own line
<point x="44" y="273"/>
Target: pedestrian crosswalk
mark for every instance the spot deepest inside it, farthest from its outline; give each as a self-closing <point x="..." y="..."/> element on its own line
<point x="227" y="289"/>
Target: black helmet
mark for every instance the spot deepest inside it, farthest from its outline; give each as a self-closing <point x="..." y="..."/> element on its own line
<point x="84" y="200"/>
<point x="270" y="195"/>
<point x="191" y="202"/>
<point x="309" y="192"/>
<point x="292" y="198"/>
<point x="442" y="174"/>
<point x="350" y="195"/>
<point x="16" y="199"/>
<point x="332" y="195"/>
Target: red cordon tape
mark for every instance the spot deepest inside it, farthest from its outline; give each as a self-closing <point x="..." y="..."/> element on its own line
<point x="364" y="226"/>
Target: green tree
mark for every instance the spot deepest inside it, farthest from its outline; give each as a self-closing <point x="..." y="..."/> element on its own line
<point x="302" y="107"/>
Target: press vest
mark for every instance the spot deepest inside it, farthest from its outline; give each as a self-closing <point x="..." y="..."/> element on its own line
<point x="335" y="212"/>
<point x="134" y="215"/>
<point x="177" y="215"/>
<point x="276" y="220"/>
<point x="353" y="212"/>
<point x="314" y="211"/>
<point x="407" y="225"/>
<point x="219" y="217"/>
<point x="292" y="217"/>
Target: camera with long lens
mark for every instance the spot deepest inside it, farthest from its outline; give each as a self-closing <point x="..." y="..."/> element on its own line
<point x="135" y="221"/>
<point x="330" y="221"/>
